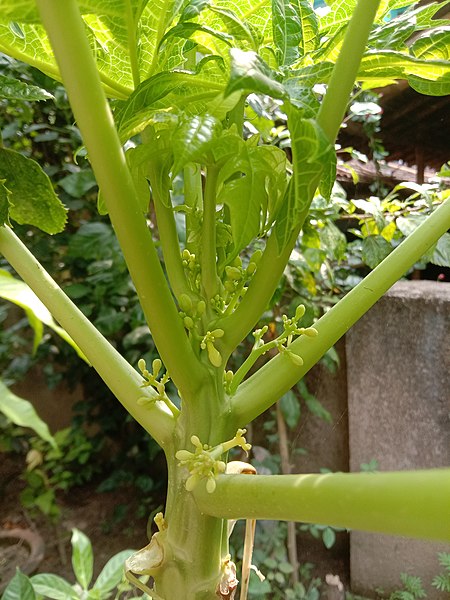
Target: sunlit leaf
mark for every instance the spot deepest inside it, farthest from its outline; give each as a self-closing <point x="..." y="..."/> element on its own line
<point x="82" y="558"/>
<point x="431" y="76"/>
<point x="5" y="204"/>
<point x="33" y="201"/>
<point x="53" y="586"/>
<point x="111" y="574"/>
<point x="165" y="95"/>
<point x="19" y="293"/>
<point x="250" y="73"/>
<point x="22" y="413"/>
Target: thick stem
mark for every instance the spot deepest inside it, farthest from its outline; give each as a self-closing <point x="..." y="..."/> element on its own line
<point x="345" y="70"/>
<point x="67" y="35"/>
<point x="410" y="503"/>
<point x="119" y="376"/>
<point x="277" y="376"/>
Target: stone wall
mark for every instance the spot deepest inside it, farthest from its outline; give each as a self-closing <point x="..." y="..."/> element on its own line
<point x="398" y="377"/>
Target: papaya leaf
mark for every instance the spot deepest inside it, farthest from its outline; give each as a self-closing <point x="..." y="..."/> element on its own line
<point x="314" y="163"/>
<point x="431" y="76"/>
<point x="250" y="73"/>
<point x="192" y="9"/>
<point x="13" y="89"/>
<point x="192" y="138"/>
<point x="187" y="30"/>
<point x="252" y="185"/>
<point x="433" y="45"/>
<point x="166" y="94"/>
<point x="22" y="413"/>
<point x="238" y="29"/>
<point x="33" y="201"/>
<point x="19" y="293"/>
<point x="294" y="29"/>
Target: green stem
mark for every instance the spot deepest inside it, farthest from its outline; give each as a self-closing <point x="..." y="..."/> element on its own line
<point x="277" y="376"/>
<point x="78" y="69"/>
<point x="116" y="372"/>
<point x="346" y="69"/>
<point x="410" y="503"/>
<point x="208" y="249"/>
<point x="170" y="245"/>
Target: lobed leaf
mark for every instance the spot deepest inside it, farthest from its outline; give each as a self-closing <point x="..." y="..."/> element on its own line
<point x="295" y="28"/>
<point x="249" y="73"/>
<point x="165" y="95"/>
<point x="13" y="89"/>
<point x="314" y="163"/>
<point x="192" y="139"/>
<point x="431" y="76"/>
<point x="32" y="199"/>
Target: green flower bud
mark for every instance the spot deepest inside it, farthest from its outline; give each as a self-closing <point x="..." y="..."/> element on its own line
<point x="218" y="333"/>
<point x="142" y="365"/>
<point x="156" y="366"/>
<point x="188" y="322"/>
<point x="237" y="262"/>
<point x="229" y="285"/>
<point x="299" y="312"/>
<point x="233" y="273"/>
<point x="251" y="268"/>
<point x="295" y="358"/>
<point x="310" y="332"/>
<point x="185" y="303"/>
<point x="256" y="256"/>
<point x="201" y="307"/>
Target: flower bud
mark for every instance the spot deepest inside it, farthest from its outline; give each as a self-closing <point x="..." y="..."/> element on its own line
<point x="185" y="303"/>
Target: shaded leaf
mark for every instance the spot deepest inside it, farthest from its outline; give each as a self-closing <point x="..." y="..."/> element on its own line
<point x="33" y="201"/>
<point x="441" y="254"/>
<point x="374" y="249"/>
<point x="77" y="184"/>
<point x="192" y="138"/>
<point x="5" y="204"/>
<point x="314" y="164"/>
<point x="21" y="412"/>
<point x="290" y="407"/>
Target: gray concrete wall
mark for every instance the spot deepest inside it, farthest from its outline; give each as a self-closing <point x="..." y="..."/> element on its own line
<point x="398" y="374"/>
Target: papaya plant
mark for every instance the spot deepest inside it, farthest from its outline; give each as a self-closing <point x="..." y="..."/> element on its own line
<point x="206" y="221"/>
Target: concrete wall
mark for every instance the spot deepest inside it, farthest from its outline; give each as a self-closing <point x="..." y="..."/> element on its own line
<point x="398" y="373"/>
